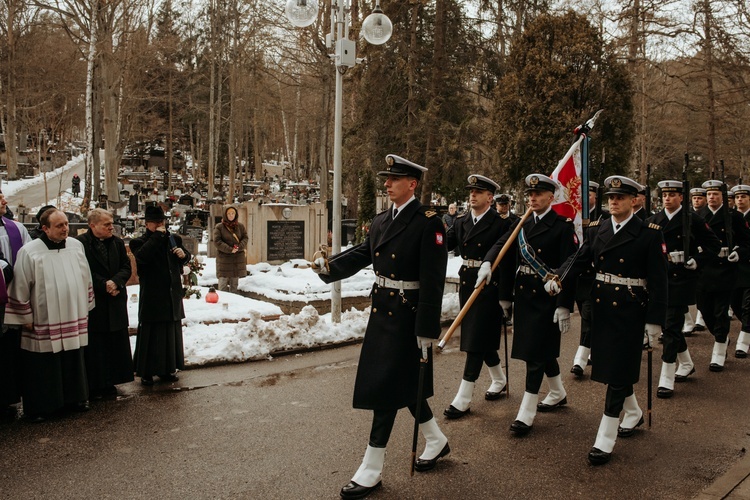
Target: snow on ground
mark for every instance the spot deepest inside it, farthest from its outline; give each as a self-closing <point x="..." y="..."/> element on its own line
<point x="238" y="333"/>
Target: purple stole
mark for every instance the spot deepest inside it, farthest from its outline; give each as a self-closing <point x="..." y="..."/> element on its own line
<point x="14" y="235"/>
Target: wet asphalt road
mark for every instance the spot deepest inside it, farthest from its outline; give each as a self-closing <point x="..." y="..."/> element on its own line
<point x="285" y="429"/>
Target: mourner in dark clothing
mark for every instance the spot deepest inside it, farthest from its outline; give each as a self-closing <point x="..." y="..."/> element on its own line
<point x="629" y="296"/>
<point x="109" y="361"/>
<point x="683" y="279"/>
<point x="230" y="238"/>
<point x="406" y="247"/>
<point x="159" y="258"/>
<point x="546" y="239"/>
<point x="719" y="277"/>
<point x="471" y="236"/>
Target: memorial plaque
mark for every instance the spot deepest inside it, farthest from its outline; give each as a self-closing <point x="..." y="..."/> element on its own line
<point x="195" y="232"/>
<point x="286" y="240"/>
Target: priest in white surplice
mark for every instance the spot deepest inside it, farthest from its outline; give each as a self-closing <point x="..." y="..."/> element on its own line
<point x="51" y="295"/>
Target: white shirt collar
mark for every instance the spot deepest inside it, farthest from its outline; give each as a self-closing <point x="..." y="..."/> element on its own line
<point x="477" y="218"/>
<point x="672" y="214"/>
<point x="714" y="211"/>
<point x="539" y="217"/>
<point x="401" y="208"/>
<point x="621" y="224"/>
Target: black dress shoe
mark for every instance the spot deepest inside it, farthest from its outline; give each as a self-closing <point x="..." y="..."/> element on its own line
<point x="716" y="367"/>
<point x="353" y="490"/>
<point x="683" y="378"/>
<point x="33" y="419"/>
<point x="624" y="432"/>
<point x="82" y="406"/>
<point x="147" y="381"/>
<point x="545" y="407"/>
<point x="452" y="412"/>
<point x="740" y="354"/>
<point x="519" y="428"/>
<point x="688" y="333"/>
<point x="492" y="396"/>
<point x="170" y="377"/>
<point x="664" y="393"/>
<point x="599" y="457"/>
<point x="699" y="328"/>
<point x="424" y="465"/>
<point x="577" y="371"/>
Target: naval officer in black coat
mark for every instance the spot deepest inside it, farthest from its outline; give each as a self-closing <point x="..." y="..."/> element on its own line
<point x="406" y="248"/>
<point x="471" y="235"/>
<point x="629" y="296"/>
<point x="741" y="294"/>
<point x="683" y="279"/>
<point x="719" y="277"/>
<point x="539" y="318"/>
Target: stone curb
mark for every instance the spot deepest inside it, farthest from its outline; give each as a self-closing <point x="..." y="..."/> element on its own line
<point x="733" y="484"/>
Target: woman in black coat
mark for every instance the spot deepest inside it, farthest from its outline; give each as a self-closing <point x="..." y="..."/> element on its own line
<point x="108" y="358"/>
<point x="159" y="258"/>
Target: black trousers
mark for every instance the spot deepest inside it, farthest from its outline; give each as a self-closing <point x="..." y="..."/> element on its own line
<point x="382" y="423"/>
<point x="584" y="308"/>
<point x="674" y="338"/>
<point x="615" y="399"/>
<point x="740" y="302"/>
<point x="535" y="372"/>
<point x="474" y="361"/>
<point x="715" y="306"/>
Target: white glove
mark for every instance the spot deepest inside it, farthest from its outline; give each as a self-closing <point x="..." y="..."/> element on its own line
<point x="506" y="305"/>
<point x="319" y="266"/>
<point x="484" y="274"/>
<point x="691" y="265"/>
<point x="733" y="257"/>
<point x="562" y="318"/>
<point x="424" y="343"/>
<point x="677" y="257"/>
<point x="552" y="287"/>
<point x="653" y="332"/>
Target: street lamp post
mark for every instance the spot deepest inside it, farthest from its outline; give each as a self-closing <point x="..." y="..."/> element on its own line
<point x="377" y="30"/>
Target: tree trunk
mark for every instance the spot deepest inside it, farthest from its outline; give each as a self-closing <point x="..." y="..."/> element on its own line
<point x="438" y="61"/>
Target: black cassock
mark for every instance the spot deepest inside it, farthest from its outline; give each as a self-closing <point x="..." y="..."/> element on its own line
<point x="410" y="247"/>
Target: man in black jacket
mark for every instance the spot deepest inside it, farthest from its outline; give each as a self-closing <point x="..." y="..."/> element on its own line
<point x="159" y="257"/>
<point x="406" y="247"/>
<point x="628" y="296"/>
<point x="540" y="319"/>
<point x="109" y="361"/>
<point x="683" y="278"/>
<point x="471" y="236"/>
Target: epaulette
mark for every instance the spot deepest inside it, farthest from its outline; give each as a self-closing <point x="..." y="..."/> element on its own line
<point x="594" y="223"/>
<point x="430" y="213"/>
<point x="654" y="226"/>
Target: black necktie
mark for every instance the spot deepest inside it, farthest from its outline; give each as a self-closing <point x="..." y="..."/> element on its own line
<point x="536" y="219"/>
<point x="475" y="221"/>
<point x="395" y="212"/>
<point x="617" y="227"/>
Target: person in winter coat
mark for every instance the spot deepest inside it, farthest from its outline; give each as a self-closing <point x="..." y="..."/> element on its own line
<point x="230" y="238"/>
<point x="109" y="361"/>
<point x="159" y="257"/>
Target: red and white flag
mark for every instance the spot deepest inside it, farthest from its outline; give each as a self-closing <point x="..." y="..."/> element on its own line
<point x="567" y="200"/>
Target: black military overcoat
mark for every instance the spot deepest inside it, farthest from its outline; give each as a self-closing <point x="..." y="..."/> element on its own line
<point x="409" y="248"/>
